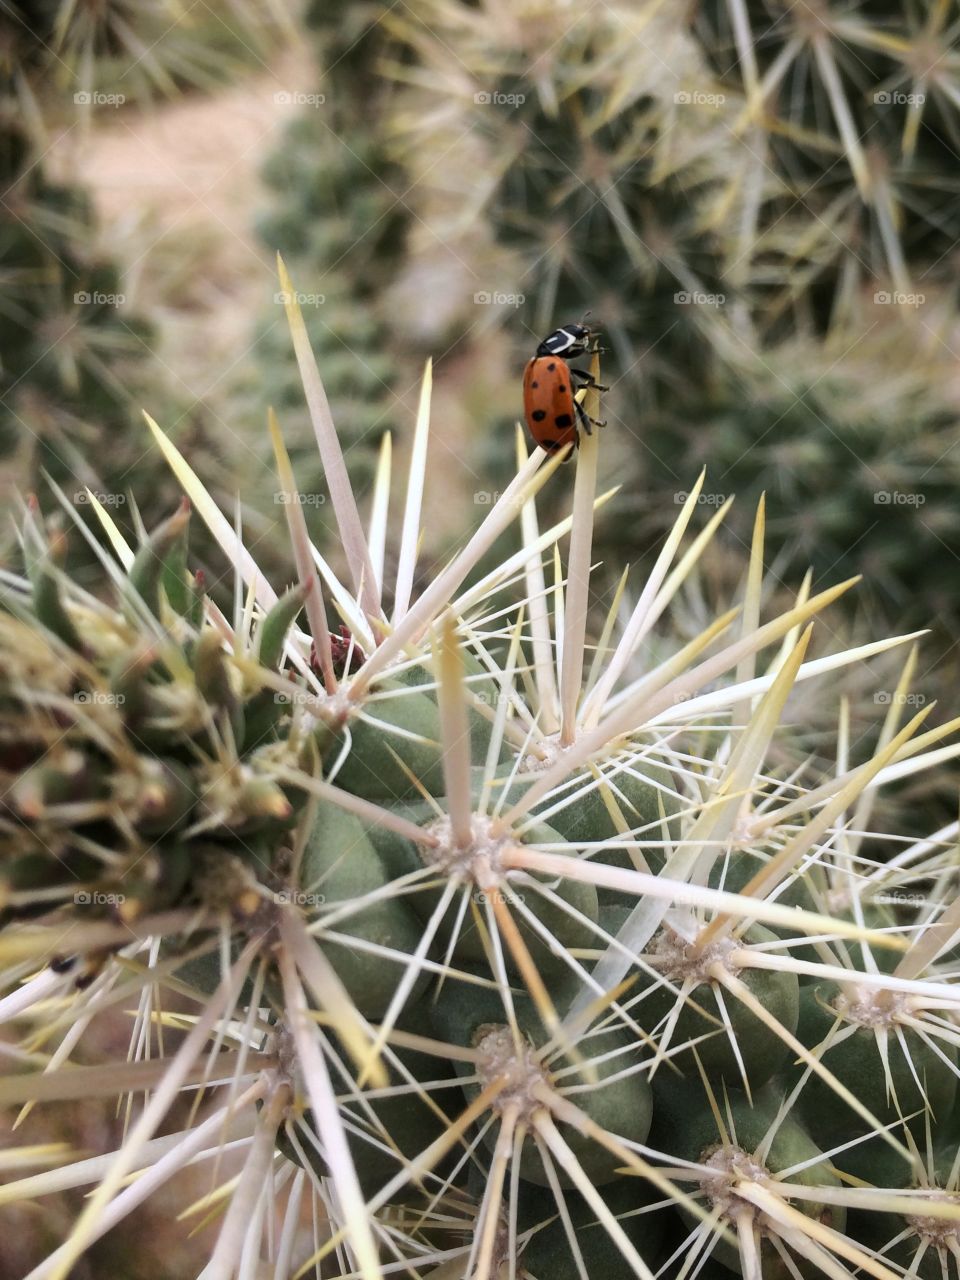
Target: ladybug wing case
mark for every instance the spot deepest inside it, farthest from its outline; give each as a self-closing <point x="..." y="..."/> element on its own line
<point x="548" y="403"/>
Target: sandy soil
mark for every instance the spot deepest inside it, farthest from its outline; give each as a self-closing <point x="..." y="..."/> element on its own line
<point x="176" y="188"/>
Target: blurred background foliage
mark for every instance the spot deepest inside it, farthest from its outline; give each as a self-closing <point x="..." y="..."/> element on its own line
<point x="756" y="200"/>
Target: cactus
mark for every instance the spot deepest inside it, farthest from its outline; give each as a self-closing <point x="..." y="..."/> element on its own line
<point x="756" y="202"/>
<point x="338" y="214"/>
<point x="74" y="369"/>
<point x="500" y="943"/>
<point x="862" y="470"/>
<point x="70" y="351"/>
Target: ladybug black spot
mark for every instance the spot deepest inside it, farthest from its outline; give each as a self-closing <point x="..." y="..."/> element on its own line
<point x="561" y="390"/>
<point x="551" y="366"/>
<point x="562" y="420"/>
<point x="538" y="415"/>
<point x="534" y="384"/>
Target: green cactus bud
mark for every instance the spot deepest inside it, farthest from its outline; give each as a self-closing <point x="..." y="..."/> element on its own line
<point x="339" y="864"/>
<point x="62" y="777"/>
<point x="212" y="672"/>
<point x="373" y="769"/>
<point x="164" y="795"/>
<point x="43" y="565"/>
<point x="157" y="560"/>
<point x="272" y="632"/>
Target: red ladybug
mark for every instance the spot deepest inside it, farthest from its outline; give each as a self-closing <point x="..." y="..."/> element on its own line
<point x="550" y="405"/>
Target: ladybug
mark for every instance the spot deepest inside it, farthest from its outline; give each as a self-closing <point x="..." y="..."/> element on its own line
<point x="550" y="405"/>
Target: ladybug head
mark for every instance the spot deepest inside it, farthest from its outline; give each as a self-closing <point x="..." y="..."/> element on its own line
<point x="569" y="340"/>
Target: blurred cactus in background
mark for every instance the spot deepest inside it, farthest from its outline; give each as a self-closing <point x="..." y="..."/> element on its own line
<point x="338" y="216"/>
<point x="69" y="353"/>
<point x="758" y="203"/>
<point x="74" y="372"/>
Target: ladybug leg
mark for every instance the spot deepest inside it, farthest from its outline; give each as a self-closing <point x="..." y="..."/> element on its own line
<point x="587" y="380"/>
<point x="585" y="420"/>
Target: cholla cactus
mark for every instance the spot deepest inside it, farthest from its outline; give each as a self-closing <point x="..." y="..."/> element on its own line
<point x="339" y="216"/>
<point x="138" y="48"/>
<point x="73" y="372"/>
<point x="501" y="952"/>
<point x="755" y="199"/>
<point x="69" y="351"/>
<point x="861" y="469"/>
